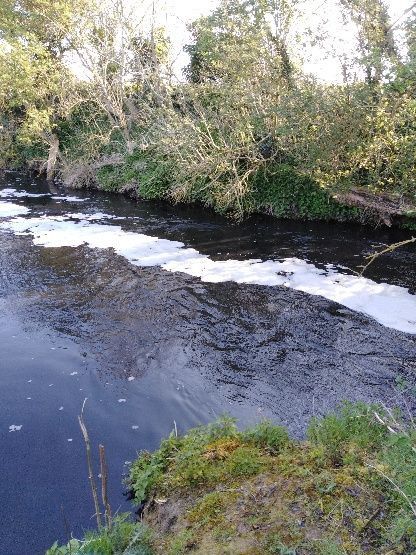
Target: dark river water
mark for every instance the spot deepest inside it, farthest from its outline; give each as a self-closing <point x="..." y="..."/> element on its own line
<point x="150" y="348"/>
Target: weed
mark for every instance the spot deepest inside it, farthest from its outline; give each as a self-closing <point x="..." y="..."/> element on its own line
<point x="180" y="543"/>
<point x="351" y="431"/>
<point x="124" y="538"/>
<point x="274" y="438"/>
<point x="276" y="546"/>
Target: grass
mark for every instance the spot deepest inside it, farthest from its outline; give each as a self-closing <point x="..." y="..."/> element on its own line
<point x="348" y="489"/>
<point x="124" y="538"/>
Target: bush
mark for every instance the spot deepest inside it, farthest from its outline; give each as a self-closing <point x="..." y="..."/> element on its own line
<point x="284" y="192"/>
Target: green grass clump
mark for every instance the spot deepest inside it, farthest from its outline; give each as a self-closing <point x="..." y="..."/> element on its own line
<point x="267" y="435"/>
<point x="205" y="455"/>
<point x="350" y="432"/>
<point x="124" y="538"/>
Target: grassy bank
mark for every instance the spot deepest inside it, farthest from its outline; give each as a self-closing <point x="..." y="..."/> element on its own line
<point x="348" y="489"/>
<point x="277" y="190"/>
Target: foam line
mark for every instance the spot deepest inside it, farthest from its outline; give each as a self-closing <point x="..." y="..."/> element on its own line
<point x="390" y="305"/>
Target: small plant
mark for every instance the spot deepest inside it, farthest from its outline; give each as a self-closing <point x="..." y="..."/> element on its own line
<point x="328" y="547"/>
<point x="124" y="538"/>
<point x="274" y="438"/>
<point x="353" y="428"/>
<point x="277" y="547"/>
<point x="180" y="544"/>
<point x="245" y="461"/>
<point x="325" y="483"/>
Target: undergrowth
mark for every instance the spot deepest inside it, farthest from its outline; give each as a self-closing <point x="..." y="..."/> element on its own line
<point x="124" y="538"/>
<point x="278" y="190"/>
<point x="349" y="489"/>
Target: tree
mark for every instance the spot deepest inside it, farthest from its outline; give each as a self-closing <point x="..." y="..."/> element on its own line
<point x="377" y="48"/>
<point x="239" y="38"/>
<point x="36" y="84"/>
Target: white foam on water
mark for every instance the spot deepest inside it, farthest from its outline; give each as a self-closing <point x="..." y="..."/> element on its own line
<point x="8" y="209"/>
<point x="14" y="193"/>
<point x="70" y="199"/>
<point x="390" y="305"/>
<point x="92" y="217"/>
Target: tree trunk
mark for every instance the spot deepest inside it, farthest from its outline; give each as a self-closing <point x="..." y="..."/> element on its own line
<point x="52" y="157"/>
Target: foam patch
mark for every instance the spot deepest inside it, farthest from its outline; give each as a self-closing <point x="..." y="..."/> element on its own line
<point x="390" y="305"/>
<point x="8" y="209"/>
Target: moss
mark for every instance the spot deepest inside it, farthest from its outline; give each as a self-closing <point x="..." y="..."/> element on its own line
<point x="209" y="511"/>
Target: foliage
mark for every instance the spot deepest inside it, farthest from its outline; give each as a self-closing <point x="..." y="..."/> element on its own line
<point x="124" y="538"/>
<point x="269" y="436"/>
<point x="250" y="129"/>
<point x="351" y="431"/>
<point x="283" y="192"/>
<point x="139" y="172"/>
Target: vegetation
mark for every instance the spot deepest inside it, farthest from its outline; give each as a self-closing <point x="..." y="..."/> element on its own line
<point x="124" y="537"/>
<point x="349" y="489"/>
<point x="249" y="129"/>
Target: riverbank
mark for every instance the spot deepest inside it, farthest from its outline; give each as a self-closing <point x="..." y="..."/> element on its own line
<point x="280" y="192"/>
<point x="217" y="490"/>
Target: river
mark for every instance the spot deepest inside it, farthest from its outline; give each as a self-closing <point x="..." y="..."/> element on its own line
<point x="165" y="316"/>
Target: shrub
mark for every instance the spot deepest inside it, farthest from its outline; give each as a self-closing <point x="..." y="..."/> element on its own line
<point x="284" y="192"/>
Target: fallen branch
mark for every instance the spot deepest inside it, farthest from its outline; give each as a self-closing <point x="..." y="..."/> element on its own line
<point x="388" y="249"/>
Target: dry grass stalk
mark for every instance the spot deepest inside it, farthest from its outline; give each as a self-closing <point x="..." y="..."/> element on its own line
<point x="89" y="463"/>
<point x="104" y="482"/>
